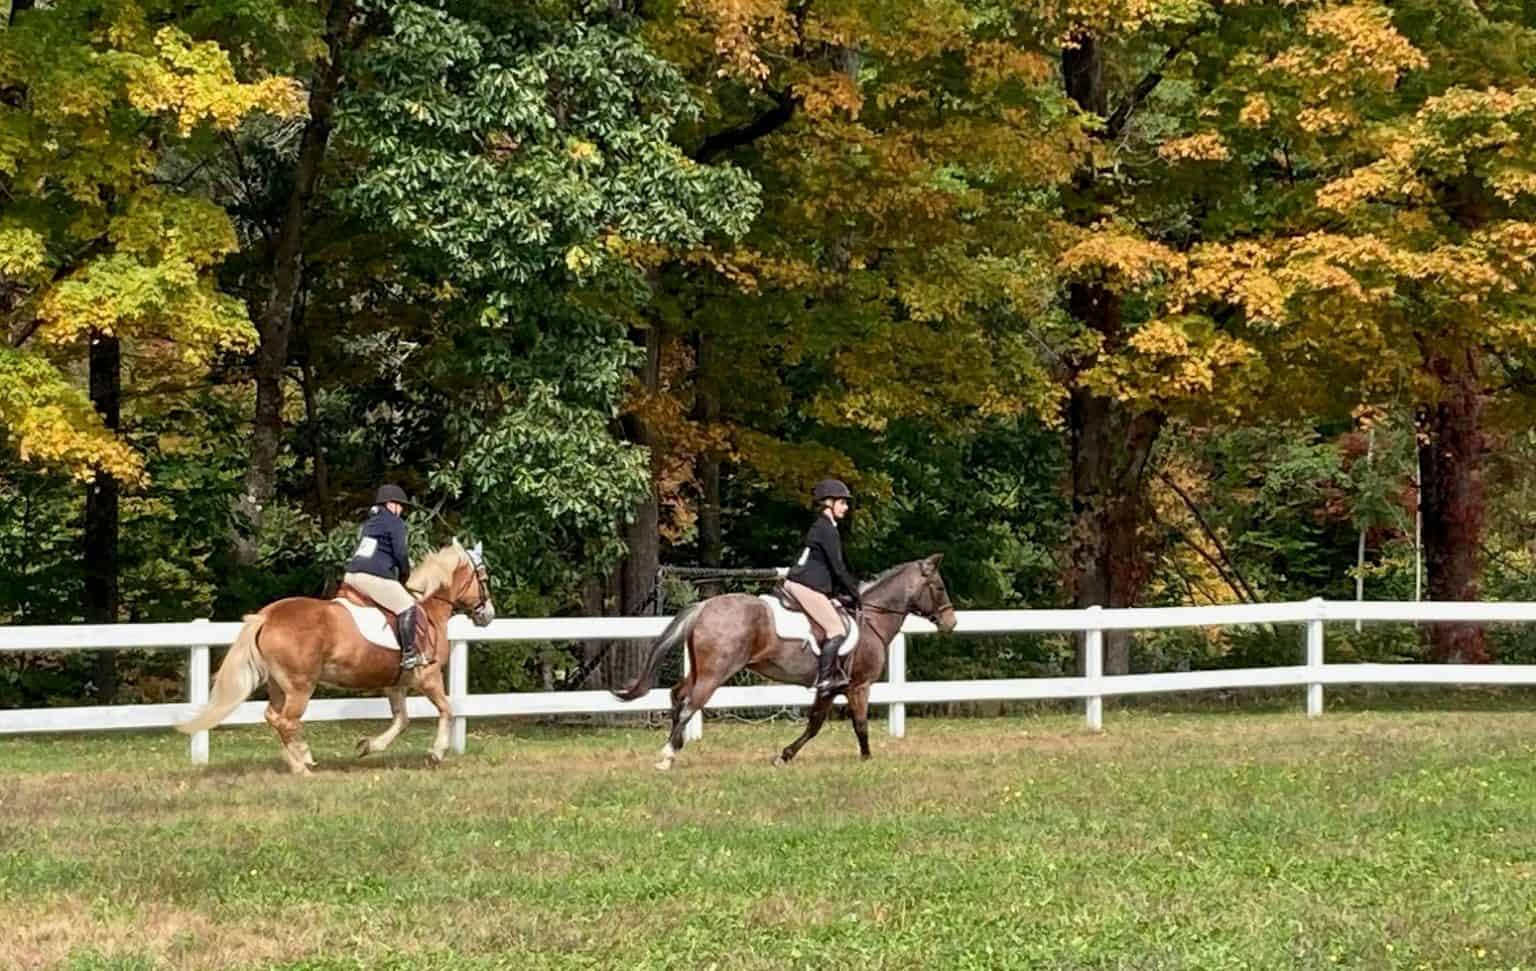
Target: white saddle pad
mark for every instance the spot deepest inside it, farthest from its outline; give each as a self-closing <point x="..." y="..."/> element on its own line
<point x="795" y="626"/>
<point x="372" y="625"/>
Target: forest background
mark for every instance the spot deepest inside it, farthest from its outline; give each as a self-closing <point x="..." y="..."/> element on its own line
<point x="1119" y="302"/>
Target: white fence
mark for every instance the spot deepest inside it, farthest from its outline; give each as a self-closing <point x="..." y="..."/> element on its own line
<point x="197" y="637"/>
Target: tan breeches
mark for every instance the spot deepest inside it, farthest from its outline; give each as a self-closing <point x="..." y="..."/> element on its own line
<point x="387" y="593"/>
<point x="817" y="607"/>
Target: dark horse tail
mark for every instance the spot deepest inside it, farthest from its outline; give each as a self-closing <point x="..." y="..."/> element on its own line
<point x="676" y="633"/>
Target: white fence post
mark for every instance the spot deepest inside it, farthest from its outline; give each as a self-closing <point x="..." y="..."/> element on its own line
<point x="1315" y="658"/>
<point x="1093" y="670"/>
<point x="458" y="690"/>
<point x="896" y="664"/>
<point x="197" y="693"/>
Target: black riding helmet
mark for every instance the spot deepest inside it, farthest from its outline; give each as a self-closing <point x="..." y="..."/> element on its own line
<point x="830" y="489"/>
<point x="390" y="493"/>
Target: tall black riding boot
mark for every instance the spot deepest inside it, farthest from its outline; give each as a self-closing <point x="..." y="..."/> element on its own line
<point x="829" y="678"/>
<point x="405" y="629"/>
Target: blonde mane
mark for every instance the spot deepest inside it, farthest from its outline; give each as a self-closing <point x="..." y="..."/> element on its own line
<point x="436" y="571"/>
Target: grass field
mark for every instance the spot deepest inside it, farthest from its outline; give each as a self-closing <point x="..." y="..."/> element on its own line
<point x="1174" y="840"/>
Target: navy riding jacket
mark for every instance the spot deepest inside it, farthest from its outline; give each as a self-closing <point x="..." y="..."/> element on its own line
<point x="381" y="548"/>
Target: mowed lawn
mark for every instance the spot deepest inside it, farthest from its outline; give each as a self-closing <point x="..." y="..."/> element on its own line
<point x="1234" y="839"/>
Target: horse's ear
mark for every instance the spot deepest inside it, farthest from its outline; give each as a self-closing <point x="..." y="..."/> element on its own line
<point x="931" y="565"/>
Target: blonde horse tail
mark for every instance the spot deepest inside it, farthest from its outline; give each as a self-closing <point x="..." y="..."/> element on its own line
<point x="242" y="672"/>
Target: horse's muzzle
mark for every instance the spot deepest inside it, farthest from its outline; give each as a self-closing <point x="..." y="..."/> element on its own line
<point x="484" y="614"/>
<point x="947" y="621"/>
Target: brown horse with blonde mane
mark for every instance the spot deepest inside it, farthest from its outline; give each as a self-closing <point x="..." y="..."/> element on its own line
<point x="735" y="632"/>
<point x="294" y="644"/>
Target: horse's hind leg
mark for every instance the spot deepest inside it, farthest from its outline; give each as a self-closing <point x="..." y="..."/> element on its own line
<point x="675" y="736"/>
<point x="382" y="741"/>
<point x="689" y="696"/>
<point x="819" y="711"/>
<point x="284" y="716"/>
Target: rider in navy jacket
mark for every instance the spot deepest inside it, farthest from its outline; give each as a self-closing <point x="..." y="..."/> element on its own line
<point x="388" y="556"/>
<point x="381" y="564"/>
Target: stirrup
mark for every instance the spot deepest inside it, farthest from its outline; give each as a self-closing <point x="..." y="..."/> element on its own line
<point x="837" y="679"/>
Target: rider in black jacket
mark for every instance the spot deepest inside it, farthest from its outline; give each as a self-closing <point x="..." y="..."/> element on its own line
<point x="819" y="574"/>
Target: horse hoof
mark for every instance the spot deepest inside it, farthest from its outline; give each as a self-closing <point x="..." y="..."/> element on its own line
<point x="363" y="748"/>
<point x="665" y="765"/>
<point x="434" y="760"/>
<point x="780" y="761"/>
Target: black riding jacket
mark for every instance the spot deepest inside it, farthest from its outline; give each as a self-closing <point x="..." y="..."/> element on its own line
<point x="381" y="548"/>
<point x="821" y="565"/>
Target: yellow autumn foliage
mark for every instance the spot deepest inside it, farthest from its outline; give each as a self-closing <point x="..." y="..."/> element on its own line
<point x="1117" y="258"/>
<point x="195" y="84"/>
<point x="51" y="422"/>
<point x="1204" y="147"/>
<point x="99" y="243"/>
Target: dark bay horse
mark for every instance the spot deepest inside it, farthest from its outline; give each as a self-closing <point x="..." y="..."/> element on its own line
<point x="294" y="644"/>
<point x="735" y="631"/>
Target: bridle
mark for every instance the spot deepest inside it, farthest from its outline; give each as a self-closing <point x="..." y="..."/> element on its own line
<point x="482" y="581"/>
<point x="482" y="577"/>
<point x="930" y="616"/>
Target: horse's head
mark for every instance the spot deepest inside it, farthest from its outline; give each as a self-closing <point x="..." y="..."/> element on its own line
<point x="914" y="588"/>
<point x="929" y="598"/>
<point x="470" y="588"/>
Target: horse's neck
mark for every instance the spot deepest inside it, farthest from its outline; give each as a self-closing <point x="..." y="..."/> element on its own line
<point x="884" y="623"/>
<point x="438" y="610"/>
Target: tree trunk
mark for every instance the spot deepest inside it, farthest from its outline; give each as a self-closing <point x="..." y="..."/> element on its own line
<point x="322" y="468"/>
<point x="707" y="412"/>
<point x="598" y="597"/>
<point x="101" y="512"/>
<point x="274" y="322"/>
<point x="1451" y="497"/>
<point x="1111" y="442"/>
<point x="1111" y="446"/>
<point x="634" y="580"/>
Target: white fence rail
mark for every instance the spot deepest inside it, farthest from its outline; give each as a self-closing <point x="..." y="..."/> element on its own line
<point x="198" y="637"/>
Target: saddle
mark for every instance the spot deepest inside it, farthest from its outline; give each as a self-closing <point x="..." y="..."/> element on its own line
<point x="792" y="623"/>
<point x="374" y="622"/>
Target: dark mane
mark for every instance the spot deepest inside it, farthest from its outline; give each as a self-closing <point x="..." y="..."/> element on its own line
<point x="883" y="577"/>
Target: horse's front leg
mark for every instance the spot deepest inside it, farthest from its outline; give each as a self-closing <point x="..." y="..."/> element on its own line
<point x="819" y="712"/>
<point x="431" y="685"/>
<point x="382" y="741"/>
<point x="858" y="714"/>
